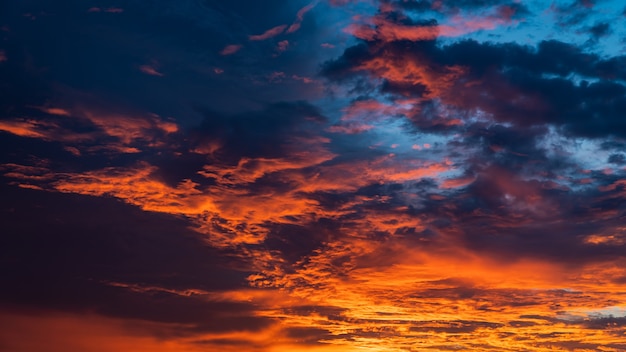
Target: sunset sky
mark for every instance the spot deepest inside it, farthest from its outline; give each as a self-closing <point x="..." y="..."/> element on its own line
<point x="312" y="175"/>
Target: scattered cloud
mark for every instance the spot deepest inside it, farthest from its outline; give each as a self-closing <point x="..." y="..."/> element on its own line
<point x="230" y="49"/>
<point x="109" y="9"/>
<point x="428" y="184"/>
<point x="270" y="33"/>
<point x="283" y="45"/>
<point x="300" y="17"/>
<point x="150" y="70"/>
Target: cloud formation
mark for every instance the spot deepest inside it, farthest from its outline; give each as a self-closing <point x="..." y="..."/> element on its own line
<point x="388" y="175"/>
<point x="230" y="49"/>
<point x="270" y="33"/>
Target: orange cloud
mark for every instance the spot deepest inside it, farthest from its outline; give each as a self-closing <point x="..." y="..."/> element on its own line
<point x="56" y="111"/>
<point x="437" y="80"/>
<point x="202" y="205"/>
<point x="130" y="131"/>
<point x="24" y="128"/>
<point x="128" y="128"/>
<point x="398" y="295"/>
<point x="354" y="251"/>
<point x="138" y="187"/>
<point x="386" y="278"/>
<point x="387" y="274"/>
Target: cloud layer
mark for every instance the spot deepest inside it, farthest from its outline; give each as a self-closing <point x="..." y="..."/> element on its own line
<point x="313" y="176"/>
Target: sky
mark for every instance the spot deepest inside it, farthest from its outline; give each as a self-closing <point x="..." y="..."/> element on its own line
<point x="312" y="175"/>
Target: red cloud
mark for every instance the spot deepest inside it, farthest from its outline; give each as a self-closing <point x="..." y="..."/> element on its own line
<point x="270" y="33"/>
<point x="300" y="16"/>
<point x="230" y="49"/>
<point x="149" y="70"/>
<point x="381" y="28"/>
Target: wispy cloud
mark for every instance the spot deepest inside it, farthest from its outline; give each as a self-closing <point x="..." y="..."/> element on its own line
<point x="109" y="9"/>
<point x="150" y="70"/>
<point x="300" y="17"/>
<point x="230" y="49"/>
<point x="270" y="33"/>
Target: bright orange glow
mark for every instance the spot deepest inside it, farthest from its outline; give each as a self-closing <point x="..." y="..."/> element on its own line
<point x="391" y="294"/>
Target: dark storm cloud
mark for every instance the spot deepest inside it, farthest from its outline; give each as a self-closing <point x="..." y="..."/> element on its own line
<point x="511" y="82"/>
<point x="517" y="146"/>
<point x="600" y="30"/>
<point x="574" y="345"/>
<point x="552" y="57"/>
<point x="309" y="336"/>
<point x="85" y="253"/>
<point x="605" y="322"/>
<point x="275" y="131"/>
<point x="454" y="326"/>
<point x="295" y="242"/>
<point x="19" y="88"/>
<point x="326" y="311"/>
<point x="260" y="134"/>
<point x="619" y="159"/>
<point x="492" y="216"/>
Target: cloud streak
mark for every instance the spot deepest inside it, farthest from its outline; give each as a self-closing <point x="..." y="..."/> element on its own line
<point x="270" y="33"/>
<point x="230" y="49"/>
